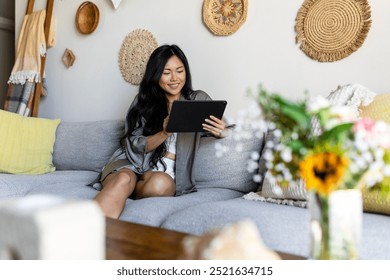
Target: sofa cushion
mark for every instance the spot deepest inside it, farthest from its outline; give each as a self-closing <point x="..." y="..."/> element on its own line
<point x="282" y="228"/>
<point x="378" y="109"/>
<point x="57" y="182"/>
<point x="26" y="144"/>
<point x="229" y="170"/>
<point x="86" y="145"/>
<point x="153" y="211"/>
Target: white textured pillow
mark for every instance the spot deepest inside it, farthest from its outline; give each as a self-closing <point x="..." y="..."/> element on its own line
<point x="296" y="190"/>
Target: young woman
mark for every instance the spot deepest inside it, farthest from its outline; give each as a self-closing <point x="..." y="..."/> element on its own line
<point x="151" y="161"/>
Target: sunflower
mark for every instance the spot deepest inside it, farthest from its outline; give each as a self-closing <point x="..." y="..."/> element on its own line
<point x="323" y="172"/>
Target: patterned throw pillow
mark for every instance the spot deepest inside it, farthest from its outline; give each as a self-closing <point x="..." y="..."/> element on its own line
<point x="378" y="109"/>
<point x="26" y="144"/>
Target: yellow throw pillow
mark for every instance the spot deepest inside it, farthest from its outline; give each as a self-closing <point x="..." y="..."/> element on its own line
<point x="26" y="144"/>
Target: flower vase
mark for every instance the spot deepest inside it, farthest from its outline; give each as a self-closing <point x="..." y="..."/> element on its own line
<point x="336" y="225"/>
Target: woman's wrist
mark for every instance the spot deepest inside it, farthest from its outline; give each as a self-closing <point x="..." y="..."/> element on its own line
<point x="165" y="134"/>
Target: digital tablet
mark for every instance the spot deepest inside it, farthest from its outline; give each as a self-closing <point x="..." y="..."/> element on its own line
<point x="189" y="115"/>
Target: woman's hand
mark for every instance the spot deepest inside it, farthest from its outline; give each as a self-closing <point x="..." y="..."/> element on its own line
<point x="215" y="126"/>
<point x="157" y="139"/>
<point x="165" y="124"/>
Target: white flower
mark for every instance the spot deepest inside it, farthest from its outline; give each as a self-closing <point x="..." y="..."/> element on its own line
<point x="252" y="166"/>
<point x="386" y="170"/>
<point x="373" y="176"/>
<point x="255" y="156"/>
<point x="278" y="190"/>
<point x="257" y="178"/>
<point x="315" y="104"/>
<point x="278" y="133"/>
<point x="268" y="155"/>
<point x="368" y="157"/>
<point x="287" y="175"/>
<point x="269" y="144"/>
<point x="340" y="115"/>
<point x="220" y="149"/>
<point x="286" y="154"/>
<point x="279" y="166"/>
<point x="269" y="165"/>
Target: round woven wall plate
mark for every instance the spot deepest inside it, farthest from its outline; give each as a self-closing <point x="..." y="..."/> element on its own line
<point x="330" y="30"/>
<point x="224" y="17"/>
<point x="87" y="17"/>
<point x="134" y="54"/>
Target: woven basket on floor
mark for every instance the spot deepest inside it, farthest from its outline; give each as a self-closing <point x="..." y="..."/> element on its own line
<point x="330" y="30"/>
<point x="224" y="17"/>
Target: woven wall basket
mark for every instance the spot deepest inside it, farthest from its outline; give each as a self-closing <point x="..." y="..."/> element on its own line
<point x="224" y="17"/>
<point x="87" y="17"/>
<point x="134" y="54"/>
<point x="330" y="30"/>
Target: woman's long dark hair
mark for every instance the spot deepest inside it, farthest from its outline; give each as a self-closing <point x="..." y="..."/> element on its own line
<point x="152" y="102"/>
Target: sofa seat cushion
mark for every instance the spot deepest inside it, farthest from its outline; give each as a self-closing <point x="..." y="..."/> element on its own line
<point x="86" y="145"/>
<point x="12" y="185"/>
<point x="154" y="211"/>
<point x="282" y="228"/>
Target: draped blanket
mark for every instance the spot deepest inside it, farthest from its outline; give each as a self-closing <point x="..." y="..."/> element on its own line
<point x="31" y="47"/>
<point x="27" y="68"/>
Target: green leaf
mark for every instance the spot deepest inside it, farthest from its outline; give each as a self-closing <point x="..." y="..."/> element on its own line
<point x="295" y="112"/>
<point x="336" y="133"/>
<point x="298" y="116"/>
<point x="296" y="145"/>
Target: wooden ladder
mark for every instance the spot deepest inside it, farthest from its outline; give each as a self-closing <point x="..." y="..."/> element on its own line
<point x="38" y="91"/>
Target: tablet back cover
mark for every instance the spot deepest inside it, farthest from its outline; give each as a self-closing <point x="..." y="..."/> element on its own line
<point x="189" y="115"/>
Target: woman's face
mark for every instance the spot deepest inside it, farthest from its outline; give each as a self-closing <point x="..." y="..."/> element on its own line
<point x="173" y="78"/>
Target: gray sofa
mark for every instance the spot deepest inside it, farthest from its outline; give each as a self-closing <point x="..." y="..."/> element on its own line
<point x="82" y="148"/>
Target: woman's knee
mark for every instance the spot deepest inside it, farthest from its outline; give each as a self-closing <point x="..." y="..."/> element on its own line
<point x="122" y="180"/>
<point x="156" y="184"/>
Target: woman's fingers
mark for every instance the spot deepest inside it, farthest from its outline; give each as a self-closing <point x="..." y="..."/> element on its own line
<point x="165" y="124"/>
<point x="213" y="121"/>
<point x="214" y="126"/>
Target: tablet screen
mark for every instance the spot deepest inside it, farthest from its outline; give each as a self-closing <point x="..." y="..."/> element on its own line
<point x="189" y="115"/>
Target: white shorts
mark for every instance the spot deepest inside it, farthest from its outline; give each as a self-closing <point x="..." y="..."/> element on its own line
<point x="170" y="167"/>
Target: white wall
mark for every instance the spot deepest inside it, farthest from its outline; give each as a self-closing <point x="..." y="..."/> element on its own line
<point x="262" y="51"/>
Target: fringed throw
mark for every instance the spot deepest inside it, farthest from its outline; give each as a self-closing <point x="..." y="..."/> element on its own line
<point x="31" y="47"/>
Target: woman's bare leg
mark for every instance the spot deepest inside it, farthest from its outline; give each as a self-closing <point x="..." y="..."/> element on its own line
<point x="117" y="187"/>
<point x="155" y="183"/>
